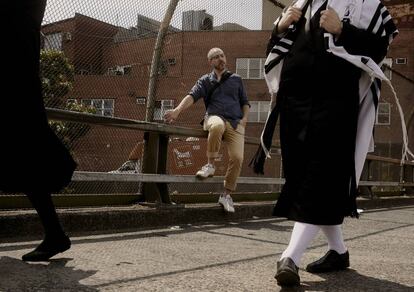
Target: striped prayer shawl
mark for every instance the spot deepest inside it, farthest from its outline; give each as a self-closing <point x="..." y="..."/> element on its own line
<point x="370" y="15"/>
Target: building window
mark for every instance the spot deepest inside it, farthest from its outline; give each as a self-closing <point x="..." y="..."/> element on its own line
<point x="386" y="67"/>
<point x="172" y="61"/>
<point x="70" y="101"/>
<point x="120" y="70"/>
<point x="127" y="69"/>
<point x="141" y="100"/>
<point x="103" y="107"/>
<point x="82" y="72"/>
<point x="161" y="106"/>
<point x="401" y="61"/>
<point x="163" y="68"/>
<point x="258" y="111"/>
<point x="52" y="41"/>
<point x="383" y="114"/>
<point x="250" y="68"/>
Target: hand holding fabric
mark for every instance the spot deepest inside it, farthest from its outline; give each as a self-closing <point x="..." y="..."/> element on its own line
<point x="331" y="22"/>
<point x="291" y="15"/>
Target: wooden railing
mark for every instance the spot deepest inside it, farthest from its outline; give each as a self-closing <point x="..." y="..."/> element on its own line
<point x="406" y="175"/>
<point x="155" y="179"/>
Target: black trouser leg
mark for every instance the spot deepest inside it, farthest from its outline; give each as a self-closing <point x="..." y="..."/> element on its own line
<point x="47" y="213"/>
<point x="55" y="239"/>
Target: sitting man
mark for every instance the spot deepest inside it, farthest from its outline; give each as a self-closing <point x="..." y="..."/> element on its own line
<point x="227" y="109"/>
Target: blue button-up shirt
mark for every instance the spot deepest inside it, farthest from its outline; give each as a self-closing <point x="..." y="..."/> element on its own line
<point x="226" y="101"/>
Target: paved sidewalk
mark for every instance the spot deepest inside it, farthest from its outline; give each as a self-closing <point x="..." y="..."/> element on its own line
<point x="230" y="256"/>
<point x="25" y="222"/>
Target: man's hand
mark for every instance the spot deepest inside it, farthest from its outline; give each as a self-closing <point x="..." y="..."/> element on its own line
<point x="291" y="15"/>
<point x="330" y="22"/>
<point x="171" y="115"/>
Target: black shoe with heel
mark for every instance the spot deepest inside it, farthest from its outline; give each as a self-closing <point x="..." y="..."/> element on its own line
<point x="332" y="261"/>
<point x="48" y="248"/>
<point x="287" y="273"/>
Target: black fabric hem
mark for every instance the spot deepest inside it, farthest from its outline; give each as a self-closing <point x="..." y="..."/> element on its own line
<point x="310" y="221"/>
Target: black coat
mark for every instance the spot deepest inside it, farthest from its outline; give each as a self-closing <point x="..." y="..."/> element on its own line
<point x="32" y="158"/>
<point x="319" y="104"/>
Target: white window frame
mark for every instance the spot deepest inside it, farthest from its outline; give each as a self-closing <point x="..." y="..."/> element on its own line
<point x="120" y="70"/>
<point x="53" y="41"/>
<point x="127" y="69"/>
<point x="249" y="73"/>
<point x="386" y="114"/>
<point x="102" y="109"/>
<point x="111" y="71"/>
<point x="141" y="100"/>
<point x="260" y="115"/>
<point x="70" y="101"/>
<point x="401" y="61"/>
<point x="165" y="104"/>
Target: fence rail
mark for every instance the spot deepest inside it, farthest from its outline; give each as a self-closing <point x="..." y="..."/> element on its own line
<point x="108" y="59"/>
<point x="406" y="180"/>
<point x="157" y="183"/>
<point x="71" y="116"/>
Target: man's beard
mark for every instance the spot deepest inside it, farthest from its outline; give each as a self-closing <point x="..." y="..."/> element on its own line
<point x="220" y="66"/>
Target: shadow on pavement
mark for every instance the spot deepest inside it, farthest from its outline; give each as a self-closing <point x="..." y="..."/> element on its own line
<point x="351" y="280"/>
<point x="163" y="232"/>
<point x="16" y="275"/>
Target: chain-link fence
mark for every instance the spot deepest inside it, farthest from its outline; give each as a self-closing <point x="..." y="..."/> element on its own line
<point x="97" y="58"/>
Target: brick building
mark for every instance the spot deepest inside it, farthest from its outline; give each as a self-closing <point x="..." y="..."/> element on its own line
<point x="400" y="58"/>
<point x="112" y="74"/>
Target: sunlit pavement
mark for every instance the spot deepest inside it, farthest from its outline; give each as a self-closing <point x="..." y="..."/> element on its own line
<point x="231" y="256"/>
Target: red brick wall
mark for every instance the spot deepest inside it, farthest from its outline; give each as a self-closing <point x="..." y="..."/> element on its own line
<point x="65" y="26"/>
<point x="108" y="148"/>
<point x="402" y="47"/>
<point x="91" y="38"/>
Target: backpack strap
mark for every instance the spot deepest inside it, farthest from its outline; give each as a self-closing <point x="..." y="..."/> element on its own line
<point x="210" y="92"/>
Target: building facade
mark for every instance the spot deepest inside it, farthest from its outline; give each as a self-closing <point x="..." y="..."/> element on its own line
<point x="112" y="75"/>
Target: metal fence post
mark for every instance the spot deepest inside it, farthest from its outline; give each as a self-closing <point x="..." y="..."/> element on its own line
<point x="407" y="177"/>
<point x="155" y="150"/>
<point x="366" y="174"/>
<point x="156" y="60"/>
<point x="156" y="162"/>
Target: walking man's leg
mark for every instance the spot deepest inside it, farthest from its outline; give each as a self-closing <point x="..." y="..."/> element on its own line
<point x="55" y="240"/>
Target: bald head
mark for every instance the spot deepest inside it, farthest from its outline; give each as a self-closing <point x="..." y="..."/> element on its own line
<point x="214" y="52"/>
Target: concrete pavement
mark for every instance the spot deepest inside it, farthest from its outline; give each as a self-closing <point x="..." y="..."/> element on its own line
<point x="25" y="222"/>
<point x="226" y="256"/>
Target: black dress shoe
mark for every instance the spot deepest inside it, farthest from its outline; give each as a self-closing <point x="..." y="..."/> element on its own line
<point x="48" y="248"/>
<point x="330" y="262"/>
<point x="287" y="273"/>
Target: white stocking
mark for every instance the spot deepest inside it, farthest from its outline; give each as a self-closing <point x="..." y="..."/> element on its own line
<point x="301" y="237"/>
<point x="334" y="236"/>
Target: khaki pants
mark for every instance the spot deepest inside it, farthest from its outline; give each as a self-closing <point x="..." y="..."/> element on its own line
<point x="219" y="130"/>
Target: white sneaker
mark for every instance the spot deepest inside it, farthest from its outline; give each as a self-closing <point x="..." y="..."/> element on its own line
<point x="130" y="166"/>
<point x="227" y="203"/>
<point x="206" y="171"/>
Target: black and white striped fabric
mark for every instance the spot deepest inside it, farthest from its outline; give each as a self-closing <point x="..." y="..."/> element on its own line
<point x="370" y="15"/>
